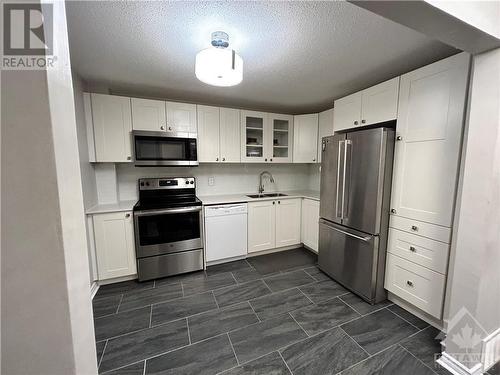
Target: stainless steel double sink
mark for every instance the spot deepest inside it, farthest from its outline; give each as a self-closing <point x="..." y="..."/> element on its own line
<point x="270" y="195"/>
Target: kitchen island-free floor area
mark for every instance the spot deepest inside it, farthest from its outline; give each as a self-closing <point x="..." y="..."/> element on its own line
<point x="272" y="314"/>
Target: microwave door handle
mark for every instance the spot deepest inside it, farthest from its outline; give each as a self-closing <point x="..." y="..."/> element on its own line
<point x="168" y="211"/>
<point x="339" y="166"/>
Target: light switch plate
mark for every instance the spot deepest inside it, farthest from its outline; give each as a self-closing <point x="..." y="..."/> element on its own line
<point x="211" y="181"/>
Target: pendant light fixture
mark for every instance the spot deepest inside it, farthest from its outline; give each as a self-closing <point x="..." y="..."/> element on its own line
<point x="219" y="65"/>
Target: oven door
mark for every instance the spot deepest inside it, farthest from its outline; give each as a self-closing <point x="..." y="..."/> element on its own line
<point x="168" y="231"/>
<point x="167" y="149"/>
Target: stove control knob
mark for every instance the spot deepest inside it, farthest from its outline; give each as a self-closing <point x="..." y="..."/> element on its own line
<point x="147" y="183"/>
<point x="142" y="183"/>
<point x="192" y="182"/>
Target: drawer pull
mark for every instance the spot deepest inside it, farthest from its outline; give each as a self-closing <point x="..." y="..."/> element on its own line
<point x="409" y="283"/>
<point x="393" y="210"/>
<point x="414" y="228"/>
<point x="413" y="249"/>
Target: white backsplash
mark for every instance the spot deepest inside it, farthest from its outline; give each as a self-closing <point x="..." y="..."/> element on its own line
<point x="228" y="178"/>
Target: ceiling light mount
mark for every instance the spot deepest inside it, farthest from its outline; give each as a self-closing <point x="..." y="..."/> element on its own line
<point x="219" y="65"/>
<point x="220" y="39"/>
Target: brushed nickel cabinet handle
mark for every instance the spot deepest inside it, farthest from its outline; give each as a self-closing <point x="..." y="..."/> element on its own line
<point x="356" y="123"/>
<point x="129" y="157"/>
<point x="393" y="210"/>
<point x="409" y="283"/>
<point x="399" y="138"/>
<point x="363" y="121"/>
<point x="162" y="127"/>
<point x="127" y="215"/>
<point x="413" y="249"/>
<point x="414" y="228"/>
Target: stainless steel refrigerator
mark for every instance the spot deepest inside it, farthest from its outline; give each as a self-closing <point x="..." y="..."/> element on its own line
<point x="356" y="173"/>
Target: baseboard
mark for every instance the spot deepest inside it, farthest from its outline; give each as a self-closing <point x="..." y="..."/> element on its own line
<point x="117" y="279"/>
<point x="491" y="349"/>
<point x="315" y="252"/>
<point x="93" y="289"/>
<point x="275" y="250"/>
<point x="415" y="311"/>
<point x="456" y="368"/>
<point x="225" y="260"/>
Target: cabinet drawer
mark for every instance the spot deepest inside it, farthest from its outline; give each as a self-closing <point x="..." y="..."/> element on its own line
<point x="418" y="285"/>
<point x="424" y="251"/>
<point x="421" y="228"/>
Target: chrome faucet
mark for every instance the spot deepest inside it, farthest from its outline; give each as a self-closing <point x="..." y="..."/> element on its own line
<point x="261" y="182"/>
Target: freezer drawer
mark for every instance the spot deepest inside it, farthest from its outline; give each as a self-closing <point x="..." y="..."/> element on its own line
<point x="352" y="259"/>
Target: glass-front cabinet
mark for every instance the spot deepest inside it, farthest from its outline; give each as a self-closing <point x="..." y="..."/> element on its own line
<point x="266" y="137"/>
<point x="254" y="136"/>
<point x="280" y="138"/>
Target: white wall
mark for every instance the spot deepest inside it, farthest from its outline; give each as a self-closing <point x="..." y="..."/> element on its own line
<point x="47" y="325"/>
<point x="229" y="178"/>
<point x="474" y="273"/>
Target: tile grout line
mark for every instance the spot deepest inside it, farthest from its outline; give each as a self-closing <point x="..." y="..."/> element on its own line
<point x="286" y="364"/>
<point x="302" y="328"/>
<point x="215" y="299"/>
<point x="189" y="333"/>
<point x="418" y="359"/>
<point x="102" y="354"/>
<point x="399" y="316"/>
<point x="343" y="330"/>
<point x="258" y="318"/>
<point x="150" y="316"/>
<point x="119" y="304"/>
<point x="301" y="291"/>
<point x="232" y="347"/>
<point x="144" y="368"/>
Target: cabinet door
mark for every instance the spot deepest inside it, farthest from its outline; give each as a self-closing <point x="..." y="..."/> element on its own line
<point x="230" y="138"/>
<point x="380" y="103"/>
<point x="426" y="160"/>
<point x="288" y="222"/>
<point x="325" y="128"/>
<point x="261" y="226"/>
<point x="208" y="133"/>
<point x="114" y="243"/>
<point x="181" y="117"/>
<point x="254" y="135"/>
<point x="280" y="138"/>
<point x="347" y="113"/>
<point x="112" y="125"/>
<point x="148" y="114"/>
<point x="310" y="223"/>
<point x="305" y="140"/>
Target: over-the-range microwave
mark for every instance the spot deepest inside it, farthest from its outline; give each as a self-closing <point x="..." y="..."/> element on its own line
<point x="153" y="148"/>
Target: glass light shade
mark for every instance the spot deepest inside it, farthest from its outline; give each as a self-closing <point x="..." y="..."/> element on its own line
<point x="219" y="67"/>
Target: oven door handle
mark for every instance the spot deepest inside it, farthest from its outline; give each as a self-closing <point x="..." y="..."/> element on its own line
<point x="168" y="211"/>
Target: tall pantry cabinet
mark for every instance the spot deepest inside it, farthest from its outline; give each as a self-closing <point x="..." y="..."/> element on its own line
<point x="430" y="123"/>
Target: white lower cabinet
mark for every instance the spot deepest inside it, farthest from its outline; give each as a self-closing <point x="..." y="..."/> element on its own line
<point x="288" y="222"/>
<point x="261" y="226"/>
<point x="273" y="224"/>
<point x="310" y="223"/>
<point x="417" y="285"/>
<point x="114" y="244"/>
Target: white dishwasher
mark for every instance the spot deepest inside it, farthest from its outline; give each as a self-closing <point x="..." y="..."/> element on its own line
<point x="225" y="231"/>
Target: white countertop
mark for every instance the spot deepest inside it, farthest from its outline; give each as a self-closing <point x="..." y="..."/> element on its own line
<point x="235" y="198"/>
<point x="111" y="207"/>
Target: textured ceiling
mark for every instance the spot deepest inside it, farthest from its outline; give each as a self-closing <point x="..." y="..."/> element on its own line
<point x="298" y="56"/>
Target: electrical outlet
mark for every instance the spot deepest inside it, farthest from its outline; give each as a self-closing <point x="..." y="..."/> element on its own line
<point x="211" y="181"/>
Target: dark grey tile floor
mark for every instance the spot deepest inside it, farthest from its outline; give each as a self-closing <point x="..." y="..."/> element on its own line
<point x="272" y="314"/>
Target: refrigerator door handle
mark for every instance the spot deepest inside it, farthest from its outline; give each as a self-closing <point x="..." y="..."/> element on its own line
<point x="338" y="213"/>
<point x="345" y="187"/>
<point x="365" y="239"/>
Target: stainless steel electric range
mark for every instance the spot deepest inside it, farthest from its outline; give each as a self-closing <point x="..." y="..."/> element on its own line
<point x="168" y="227"/>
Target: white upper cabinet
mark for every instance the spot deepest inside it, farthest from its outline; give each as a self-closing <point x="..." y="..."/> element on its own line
<point x="230" y="140"/>
<point x="208" y="133"/>
<point x="305" y="140"/>
<point x="114" y="243"/>
<point x="288" y="222"/>
<point x="112" y="123"/>
<point x="148" y="114"/>
<point x="380" y="103"/>
<point x="254" y="136"/>
<point x="375" y="104"/>
<point x="347" y="112"/>
<point x="429" y="132"/>
<point x="279" y="147"/>
<point x="325" y="128"/>
<point x="181" y="117"/>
